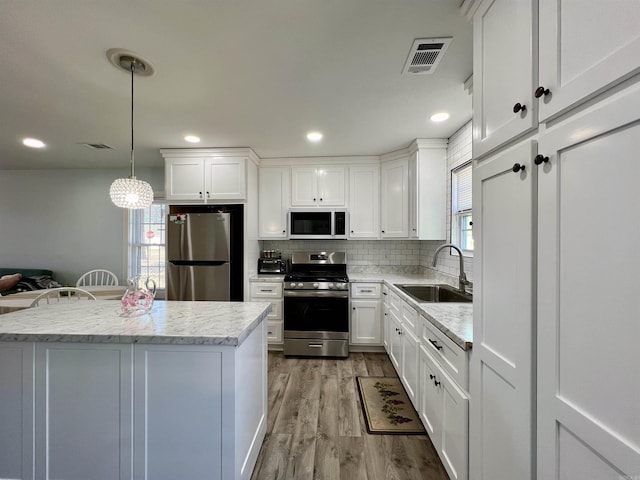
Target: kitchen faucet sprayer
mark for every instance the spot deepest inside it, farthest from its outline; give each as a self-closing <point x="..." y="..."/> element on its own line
<point x="462" y="279"/>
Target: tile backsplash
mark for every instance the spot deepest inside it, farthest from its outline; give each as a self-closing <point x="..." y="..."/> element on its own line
<point x="384" y="256"/>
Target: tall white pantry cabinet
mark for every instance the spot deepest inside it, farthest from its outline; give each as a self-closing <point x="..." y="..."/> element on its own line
<point x="554" y="387"/>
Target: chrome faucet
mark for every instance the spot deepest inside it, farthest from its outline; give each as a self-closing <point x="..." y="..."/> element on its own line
<point x="462" y="279"/>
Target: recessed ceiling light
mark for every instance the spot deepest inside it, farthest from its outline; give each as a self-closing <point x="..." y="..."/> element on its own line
<point x="33" y="143"/>
<point x="192" y="139"/>
<point x="439" y="117"/>
<point x="314" y="137"/>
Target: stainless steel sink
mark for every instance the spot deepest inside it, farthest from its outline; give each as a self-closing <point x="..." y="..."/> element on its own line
<point x="435" y="293"/>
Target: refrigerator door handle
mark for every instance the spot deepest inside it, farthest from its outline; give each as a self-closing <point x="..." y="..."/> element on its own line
<point x="206" y="263"/>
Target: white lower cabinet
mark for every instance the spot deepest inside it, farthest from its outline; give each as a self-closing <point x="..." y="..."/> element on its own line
<point x="105" y="411"/>
<point x="366" y="321"/>
<point x="83" y="415"/>
<point x="444" y="410"/>
<point x="409" y="365"/>
<point x="404" y="347"/>
<point x="385" y="316"/>
<point x="395" y="341"/>
<point x="434" y="371"/>
<point x="270" y="292"/>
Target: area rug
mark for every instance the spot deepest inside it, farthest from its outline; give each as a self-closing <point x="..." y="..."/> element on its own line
<point x="387" y="408"/>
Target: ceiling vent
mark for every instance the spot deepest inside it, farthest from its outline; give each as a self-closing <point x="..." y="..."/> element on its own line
<point x="425" y="55"/>
<point x="97" y="146"/>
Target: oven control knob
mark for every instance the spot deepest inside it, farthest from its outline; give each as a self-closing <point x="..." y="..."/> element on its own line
<point x="292" y="284"/>
<point x="300" y="285"/>
<point x="330" y="285"/>
<point x="316" y="285"/>
<point x="339" y="285"/>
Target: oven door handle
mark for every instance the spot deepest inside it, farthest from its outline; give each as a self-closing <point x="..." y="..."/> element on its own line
<point x="317" y="293"/>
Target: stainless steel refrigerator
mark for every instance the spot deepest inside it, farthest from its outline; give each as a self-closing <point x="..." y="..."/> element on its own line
<point x="200" y="253"/>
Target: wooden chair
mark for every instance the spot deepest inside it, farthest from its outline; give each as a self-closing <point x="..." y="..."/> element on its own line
<point x="97" y="277"/>
<point x="54" y="295"/>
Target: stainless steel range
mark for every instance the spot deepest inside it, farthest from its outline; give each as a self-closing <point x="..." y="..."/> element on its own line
<point x="316" y="305"/>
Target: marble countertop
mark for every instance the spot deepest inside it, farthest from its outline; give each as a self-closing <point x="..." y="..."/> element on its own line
<point x="455" y="320"/>
<point x="174" y="322"/>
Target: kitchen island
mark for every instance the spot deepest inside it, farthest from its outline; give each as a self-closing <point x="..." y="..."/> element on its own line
<point x="178" y="393"/>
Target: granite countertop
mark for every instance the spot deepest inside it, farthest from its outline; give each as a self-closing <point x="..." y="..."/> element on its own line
<point x="455" y="320"/>
<point x="174" y="322"/>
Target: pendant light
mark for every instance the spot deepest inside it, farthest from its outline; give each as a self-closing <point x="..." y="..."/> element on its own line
<point x="130" y="192"/>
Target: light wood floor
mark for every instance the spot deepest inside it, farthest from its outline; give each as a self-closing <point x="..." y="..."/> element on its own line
<point x="316" y="429"/>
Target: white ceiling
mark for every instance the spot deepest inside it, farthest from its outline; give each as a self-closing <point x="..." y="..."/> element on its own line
<point x="238" y="73"/>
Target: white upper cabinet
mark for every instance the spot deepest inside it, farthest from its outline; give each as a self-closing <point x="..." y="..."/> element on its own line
<point x="505" y="52"/>
<point x="584" y="49"/>
<point x="318" y="186"/>
<point x="394" y="199"/>
<point x="205" y="174"/>
<point x="428" y="190"/>
<point x="184" y="179"/>
<point x="273" y="201"/>
<point x="225" y="178"/>
<point x="364" y="199"/>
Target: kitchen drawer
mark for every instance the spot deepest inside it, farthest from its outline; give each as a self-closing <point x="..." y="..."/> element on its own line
<point x="395" y="303"/>
<point x="365" y="290"/>
<point x="451" y="357"/>
<point x="274" y="331"/>
<point x="410" y="317"/>
<point x="266" y="289"/>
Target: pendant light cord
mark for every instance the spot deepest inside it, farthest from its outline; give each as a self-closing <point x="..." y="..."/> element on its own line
<point x="133" y="67"/>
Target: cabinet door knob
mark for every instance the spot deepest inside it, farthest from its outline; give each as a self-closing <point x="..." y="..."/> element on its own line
<point x="538" y="159"/>
<point x="284" y="231"/>
<point x="431" y="376"/>
<point x="540" y="91"/>
<point x="314" y="199"/>
<point x="200" y="193"/>
<point x="518" y="107"/>
<point x="382" y="231"/>
<point x="436" y="383"/>
<point x="354" y="308"/>
<point x="321" y="199"/>
<point x="517" y="167"/>
<point x="351" y="231"/>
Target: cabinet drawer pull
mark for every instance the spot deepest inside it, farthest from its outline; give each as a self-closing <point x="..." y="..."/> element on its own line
<point x="435" y="344"/>
<point x="266" y="290"/>
<point x="366" y="291"/>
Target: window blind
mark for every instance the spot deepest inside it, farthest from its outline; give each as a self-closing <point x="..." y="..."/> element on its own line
<point x="462" y="198"/>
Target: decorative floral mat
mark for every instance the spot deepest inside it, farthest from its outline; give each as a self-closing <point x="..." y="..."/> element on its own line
<point x="387" y="408"/>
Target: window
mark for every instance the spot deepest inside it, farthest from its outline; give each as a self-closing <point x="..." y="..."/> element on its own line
<point x="461" y="211"/>
<point x="147" y="242"/>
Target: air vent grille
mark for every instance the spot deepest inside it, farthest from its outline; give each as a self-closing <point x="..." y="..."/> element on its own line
<point x="425" y="55"/>
<point x="97" y="146"/>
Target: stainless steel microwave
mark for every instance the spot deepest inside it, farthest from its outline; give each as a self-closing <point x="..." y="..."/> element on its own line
<point x="318" y="223"/>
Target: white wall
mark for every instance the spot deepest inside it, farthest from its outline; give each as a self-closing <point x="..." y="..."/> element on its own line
<point x="63" y="220"/>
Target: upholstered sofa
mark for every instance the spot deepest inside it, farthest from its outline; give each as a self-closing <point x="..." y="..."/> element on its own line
<point x="27" y="281"/>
